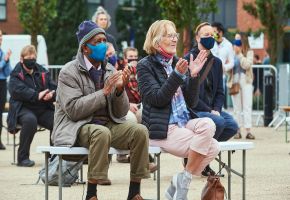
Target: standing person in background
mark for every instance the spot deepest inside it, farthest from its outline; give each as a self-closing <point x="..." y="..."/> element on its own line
<point x="111" y="55"/>
<point x="169" y="87"/>
<point x="103" y="20"/>
<point x="243" y="74"/>
<point x="223" y="49"/>
<point x="5" y="70"/>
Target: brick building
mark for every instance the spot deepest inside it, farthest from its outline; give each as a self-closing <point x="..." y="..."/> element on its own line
<point x="9" y="21"/>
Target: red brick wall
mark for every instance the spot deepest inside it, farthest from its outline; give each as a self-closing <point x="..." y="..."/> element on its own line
<point x="12" y="24"/>
<point x="246" y="21"/>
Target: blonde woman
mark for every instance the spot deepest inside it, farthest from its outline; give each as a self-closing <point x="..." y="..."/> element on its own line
<point x="168" y="87"/>
<point x="243" y="74"/>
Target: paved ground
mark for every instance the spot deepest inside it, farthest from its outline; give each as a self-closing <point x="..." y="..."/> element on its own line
<point x="268" y="176"/>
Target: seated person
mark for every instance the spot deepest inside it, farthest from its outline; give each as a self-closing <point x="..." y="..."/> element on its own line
<point x="111" y="55"/>
<point x="169" y="87"/>
<point x="32" y="95"/>
<point x="91" y="107"/>
<point x="130" y="55"/>
<point x="211" y="94"/>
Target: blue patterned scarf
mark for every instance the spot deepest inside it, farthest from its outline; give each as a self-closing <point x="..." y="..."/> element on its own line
<point x="179" y="114"/>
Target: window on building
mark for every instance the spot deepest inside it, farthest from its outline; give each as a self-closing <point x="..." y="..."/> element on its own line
<point x="3" y="14"/>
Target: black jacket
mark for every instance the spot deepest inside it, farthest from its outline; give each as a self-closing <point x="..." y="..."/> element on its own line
<point x="217" y="91"/>
<point x="157" y="90"/>
<point x="24" y="89"/>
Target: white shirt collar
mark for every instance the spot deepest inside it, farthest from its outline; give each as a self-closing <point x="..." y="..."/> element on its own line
<point x="89" y="65"/>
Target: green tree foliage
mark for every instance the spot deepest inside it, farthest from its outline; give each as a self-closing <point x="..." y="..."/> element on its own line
<point x="61" y="39"/>
<point x="138" y="19"/>
<point x="273" y="15"/>
<point x="34" y="16"/>
<point x="186" y="15"/>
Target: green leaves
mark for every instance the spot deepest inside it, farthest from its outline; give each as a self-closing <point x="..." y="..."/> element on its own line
<point x="187" y="13"/>
<point x="34" y="16"/>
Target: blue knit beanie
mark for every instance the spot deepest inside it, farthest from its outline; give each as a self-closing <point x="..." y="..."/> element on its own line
<point x="86" y="30"/>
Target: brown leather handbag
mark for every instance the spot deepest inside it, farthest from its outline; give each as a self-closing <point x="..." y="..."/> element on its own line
<point x="235" y="89"/>
<point x="213" y="189"/>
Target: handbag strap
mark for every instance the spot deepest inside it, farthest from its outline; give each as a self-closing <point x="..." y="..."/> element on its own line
<point x="207" y="69"/>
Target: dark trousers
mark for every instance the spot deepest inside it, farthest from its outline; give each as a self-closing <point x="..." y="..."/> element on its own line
<point x="226" y="126"/>
<point x="3" y="96"/>
<point x="28" y="119"/>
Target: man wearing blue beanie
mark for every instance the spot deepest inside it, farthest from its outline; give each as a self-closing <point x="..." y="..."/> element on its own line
<point x="91" y="106"/>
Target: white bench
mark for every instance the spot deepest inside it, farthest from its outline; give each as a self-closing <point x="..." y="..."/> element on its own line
<point x="230" y="147"/>
<point x="61" y="151"/>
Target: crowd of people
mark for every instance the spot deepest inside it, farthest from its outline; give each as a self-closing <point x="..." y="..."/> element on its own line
<point x="161" y="100"/>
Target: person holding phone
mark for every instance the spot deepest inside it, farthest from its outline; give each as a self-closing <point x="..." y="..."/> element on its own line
<point x="32" y="94"/>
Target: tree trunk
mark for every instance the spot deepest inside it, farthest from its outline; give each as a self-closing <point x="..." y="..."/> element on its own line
<point x="180" y="46"/>
<point x="186" y="40"/>
<point x="34" y="40"/>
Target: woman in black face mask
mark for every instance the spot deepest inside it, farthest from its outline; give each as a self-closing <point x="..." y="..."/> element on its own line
<point x="31" y="103"/>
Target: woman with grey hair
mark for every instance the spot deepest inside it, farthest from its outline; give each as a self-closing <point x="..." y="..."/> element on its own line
<point x="169" y="87"/>
<point x="103" y="20"/>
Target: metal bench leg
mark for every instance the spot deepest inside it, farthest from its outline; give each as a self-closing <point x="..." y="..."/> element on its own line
<point x="158" y="176"/>
<point x="220" y="158"/>
<point x="60" y="178"/>
<point x="154" y="174"/>
<point x="46" y="175"/>
<point x="280" y="123"/>
<point x="229" y="175"/>
<point x="7" y="138"/>
<point x="286" y="125"/>
<point x="82" y="174"/>
<point x="244" y="174"/>
<point x="14" y="149"/>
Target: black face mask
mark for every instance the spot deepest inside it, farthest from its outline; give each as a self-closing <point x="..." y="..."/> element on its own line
<point x="130" y="60"/>
<point x="29" y="63"/>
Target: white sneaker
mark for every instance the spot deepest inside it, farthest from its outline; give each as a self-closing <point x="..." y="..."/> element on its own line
<point x="169" y="193"/>
<point x="180" y="187"/>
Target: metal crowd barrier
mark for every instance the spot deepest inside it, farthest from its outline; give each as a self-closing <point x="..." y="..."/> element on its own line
<point x="259" y="100"/>
<point x="54" y="71"/>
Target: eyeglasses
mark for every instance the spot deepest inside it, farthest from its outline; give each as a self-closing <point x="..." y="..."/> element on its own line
<point x="172" y="36"/>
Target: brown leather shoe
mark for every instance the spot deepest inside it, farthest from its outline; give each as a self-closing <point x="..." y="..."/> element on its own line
<point x="104" y="182"/>
<point x="137" y="197"/>
<point x="250" y="136"/>
<point x="94" y="198"/>
<point x="152" y="167"/>
<point x="123" y="158"/>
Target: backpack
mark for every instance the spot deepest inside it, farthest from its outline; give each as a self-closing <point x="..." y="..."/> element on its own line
<point x="69" y="172"/>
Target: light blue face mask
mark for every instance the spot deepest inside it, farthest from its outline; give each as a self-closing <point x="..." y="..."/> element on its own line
<point x="98" y="52"/>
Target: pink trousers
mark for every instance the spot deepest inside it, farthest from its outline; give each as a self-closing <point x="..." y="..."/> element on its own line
<point x="196" y="136"/>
